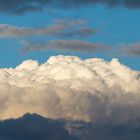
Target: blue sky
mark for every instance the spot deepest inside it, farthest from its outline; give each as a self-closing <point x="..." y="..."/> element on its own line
<point x="114" y="26"/>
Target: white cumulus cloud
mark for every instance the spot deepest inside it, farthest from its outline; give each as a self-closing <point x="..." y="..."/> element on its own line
<point x="66" y="87"/>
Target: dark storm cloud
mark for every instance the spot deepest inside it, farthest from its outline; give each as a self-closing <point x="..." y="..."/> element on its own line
<point x="35" y="127"/>
<point x="65" y="45"/>
<point x="59" y="28"/>
<point x="22" y="6"/>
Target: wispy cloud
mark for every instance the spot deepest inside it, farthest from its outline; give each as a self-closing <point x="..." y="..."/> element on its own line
<point x="59" y="28"/>
<point x="81" y="46"/>
<point x="65" y="45"/>
<point x="130" y="49"/>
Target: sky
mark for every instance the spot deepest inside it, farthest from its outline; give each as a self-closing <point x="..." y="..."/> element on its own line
<point x="115" y="25"/>
<point x="69" y="69"/>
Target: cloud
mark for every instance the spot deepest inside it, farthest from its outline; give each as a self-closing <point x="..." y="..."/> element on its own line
<point x="135" y="4"/>
<point x="22" y="6"/>
<point x="131" y="49"/>
<point x="33" y="126"/>
<point x="66" y="87"/>
<point x="59" y="28"/>
<point x="65" y="45"/>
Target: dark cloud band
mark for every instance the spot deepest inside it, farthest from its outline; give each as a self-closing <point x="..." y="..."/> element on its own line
<point x="22" y="6"/>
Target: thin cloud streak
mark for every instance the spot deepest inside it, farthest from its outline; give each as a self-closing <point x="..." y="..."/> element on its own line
<point x="130" y="49"/>
<point x="59" y="28"/>
<point x="65" y="45"/>
<point x="80" y="46"/>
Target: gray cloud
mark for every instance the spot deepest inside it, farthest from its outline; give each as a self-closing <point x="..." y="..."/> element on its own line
<point x="130" y="49"/>
<point x="65" y="45"/>
<point x="36" y="127"/>
<point x="59" y="28"/>
<point x="22" y="6"/>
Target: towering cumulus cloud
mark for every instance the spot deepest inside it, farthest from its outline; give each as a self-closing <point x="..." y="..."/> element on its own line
<point x="66" y="87"/>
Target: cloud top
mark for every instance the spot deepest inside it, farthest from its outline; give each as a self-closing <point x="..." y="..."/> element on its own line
<point x="66" y="87"/>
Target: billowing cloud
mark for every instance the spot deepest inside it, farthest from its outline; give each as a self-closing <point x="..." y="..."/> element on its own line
<point x="59" y="28"/>
<point x="66" y="87"/>
<point x="22" y="6"/>
<point x="65" y="45"/>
